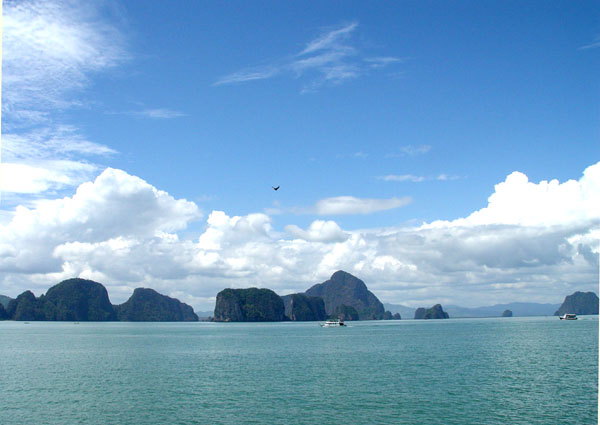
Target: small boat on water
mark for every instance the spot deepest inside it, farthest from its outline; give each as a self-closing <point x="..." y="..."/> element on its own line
<point x="333" y="324"/>
<point x="568" y="317"/>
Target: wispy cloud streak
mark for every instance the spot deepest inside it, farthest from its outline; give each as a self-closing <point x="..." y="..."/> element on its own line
<point x="331" y="58"/>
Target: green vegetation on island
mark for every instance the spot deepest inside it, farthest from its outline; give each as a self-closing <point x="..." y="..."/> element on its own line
<point x="77" y="300"/>
<point x="86" y="300"/>
<point x="303" y="308"/>
<point x="249" y="305"/>
<point x="507" y="313"/>
<point x="147" y="305"/>
<point x="343" y="296"/>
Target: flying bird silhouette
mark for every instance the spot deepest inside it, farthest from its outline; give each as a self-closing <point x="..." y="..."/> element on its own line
<point x="275" y="188"/>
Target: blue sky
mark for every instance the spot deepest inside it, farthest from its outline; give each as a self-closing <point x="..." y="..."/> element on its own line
<point x="377" y="119"/>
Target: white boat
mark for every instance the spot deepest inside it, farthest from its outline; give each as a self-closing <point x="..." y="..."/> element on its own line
<point x="568" y="317"/>
<point x="333" y="323"/>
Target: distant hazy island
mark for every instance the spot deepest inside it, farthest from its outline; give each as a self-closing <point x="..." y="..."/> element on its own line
<point x="86" y="300"/>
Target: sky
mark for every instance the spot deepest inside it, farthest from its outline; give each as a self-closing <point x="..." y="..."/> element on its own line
<point x="442" y="152"/>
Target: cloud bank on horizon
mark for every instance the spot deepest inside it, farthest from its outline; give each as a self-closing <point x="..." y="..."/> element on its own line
<point x="540" y="238"/>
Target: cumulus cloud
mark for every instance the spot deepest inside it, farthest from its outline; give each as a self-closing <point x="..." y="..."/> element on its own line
<point x="116" y="206"/>
<point x="517" y="201"/>
<point x="319" y="231"/>
<point x="532" y="242"/>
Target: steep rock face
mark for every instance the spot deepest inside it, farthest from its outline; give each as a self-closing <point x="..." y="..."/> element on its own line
<point x="147" y="305"/>
<point x="301" y="307"/>
<point x="248" y="305"/>
<point x="507" y="313"/>
<point x="579" y="303"/>
<point x="345" y="313"/>
<point x="435" y="312"/>
<point x="344" y="289"/>
<point x="25" y="307"/>
<point x="79" y="300"/>
<point x="3" y="313"/>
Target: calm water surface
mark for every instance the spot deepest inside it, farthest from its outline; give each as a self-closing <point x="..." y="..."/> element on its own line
<point x="459" y="371"/>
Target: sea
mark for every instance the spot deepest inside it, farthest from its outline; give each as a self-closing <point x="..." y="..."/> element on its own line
<point x="520" y="370"/>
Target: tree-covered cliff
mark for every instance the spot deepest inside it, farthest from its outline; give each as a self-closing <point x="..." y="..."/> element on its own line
<point x="86" y="300"/>
<point x="301" y="307"/>
<point x="147" y="305"/>
<point x="249" y="305"/>
<point x="78" y="300"/>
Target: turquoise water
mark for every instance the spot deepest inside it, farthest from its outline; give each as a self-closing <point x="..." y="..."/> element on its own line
<point x="458" y="371"/>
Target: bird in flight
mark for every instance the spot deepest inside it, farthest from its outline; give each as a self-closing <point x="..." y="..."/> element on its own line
<point x="275" y="188"/>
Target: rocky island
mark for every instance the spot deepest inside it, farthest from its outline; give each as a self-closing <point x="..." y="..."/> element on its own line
<point x="435" y="312"/>
<point x="343" y="296"/>
<point x="579" y="303"/>
<point x="344" y="293"/>
<point x="147" y="305"/>
<point x="249" y="305"/>
<point x="86" y="300"/>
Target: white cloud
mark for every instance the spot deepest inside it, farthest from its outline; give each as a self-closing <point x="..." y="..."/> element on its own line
<point x="45" y="175"/>
<point x="123" y="232"/>
<point x="158" y="113"/>
<point x="380" y="62"/>
<point x="403" y="178"/>
<point x="410" y="150"/>
<point x="517" y="201"/>
<point x="116" y="205"/>
<point x="47" y="159"/>
<point x="331" y="58"/>
<point x="331" y="39"/>
<point x="351" y="205"/>
<point x="49" y="47"/>
<point x="319" y="231"/>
